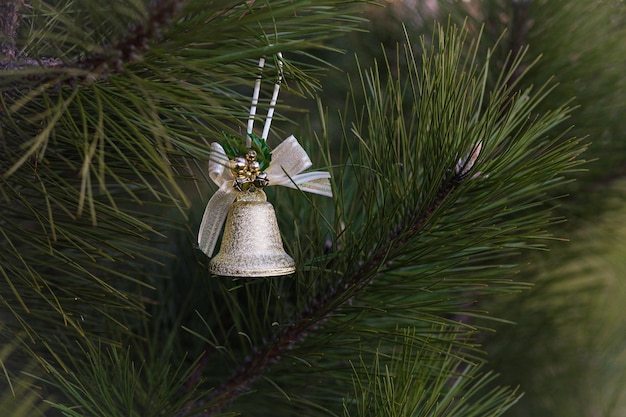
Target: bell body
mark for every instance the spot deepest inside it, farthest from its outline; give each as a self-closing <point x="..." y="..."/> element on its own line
<point x="251" y="244"/>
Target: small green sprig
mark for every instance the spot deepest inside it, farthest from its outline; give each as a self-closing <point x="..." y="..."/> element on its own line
<point x="235" y="146"/>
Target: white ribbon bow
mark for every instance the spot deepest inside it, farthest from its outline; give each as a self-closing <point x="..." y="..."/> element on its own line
<point x="289" y="159"/>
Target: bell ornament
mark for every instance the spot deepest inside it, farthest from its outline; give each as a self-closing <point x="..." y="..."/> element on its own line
<point x="251" y="244"/>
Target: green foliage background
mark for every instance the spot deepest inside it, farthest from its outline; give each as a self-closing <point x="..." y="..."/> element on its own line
<point x="107" y="113"/>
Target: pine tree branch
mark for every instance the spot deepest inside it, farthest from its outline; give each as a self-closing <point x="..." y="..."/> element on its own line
<point x="327" y="303"/>
<point x="127" y="50"/>
<point x="130" y="48"/>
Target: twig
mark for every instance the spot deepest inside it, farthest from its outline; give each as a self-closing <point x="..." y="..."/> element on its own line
<point x="9" y="22"/>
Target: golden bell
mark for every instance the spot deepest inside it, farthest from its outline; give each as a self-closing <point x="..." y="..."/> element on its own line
<point x="251" y="244"/>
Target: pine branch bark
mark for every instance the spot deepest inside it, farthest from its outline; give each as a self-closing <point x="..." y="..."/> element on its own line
<point x="9" y="22"/>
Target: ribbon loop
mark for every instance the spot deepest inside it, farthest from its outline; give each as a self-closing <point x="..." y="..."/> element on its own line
<point x="289" y="159"/>
<point x="219" y="165"/>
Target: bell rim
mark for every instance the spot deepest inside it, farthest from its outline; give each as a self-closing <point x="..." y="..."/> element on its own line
<point x="250" y="273"/>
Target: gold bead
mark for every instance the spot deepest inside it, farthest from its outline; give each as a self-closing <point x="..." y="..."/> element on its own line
<point x="254" y="167"/>
<point x="251" y="156"/>
<point x="239" y="166"/>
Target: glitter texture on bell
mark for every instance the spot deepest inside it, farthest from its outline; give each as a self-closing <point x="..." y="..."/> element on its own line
<point x="251" y="244"/>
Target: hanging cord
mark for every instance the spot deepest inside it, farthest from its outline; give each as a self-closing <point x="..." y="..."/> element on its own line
<point x="270" y="111"/>
<point x="255" y="101"/>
